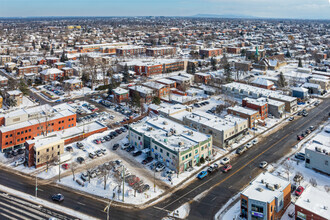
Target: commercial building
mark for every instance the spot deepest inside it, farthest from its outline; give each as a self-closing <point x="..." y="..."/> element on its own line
<point x="267" y="197"/>
<point x="25" y="124"/>
<point x="299" y="92"/>
<point x="251" y="115"/>
<point x="313" y="204"/>
<point x="318" y="153"/>
<point x="260" y="105"/>
<point x="177" y="146"/>
<point x="240" y="90"/>
<point x="223" y="130"/>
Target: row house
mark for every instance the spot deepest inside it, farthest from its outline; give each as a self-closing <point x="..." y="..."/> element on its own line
<point x="5" y="59"/>
<point x="3" y="81"/>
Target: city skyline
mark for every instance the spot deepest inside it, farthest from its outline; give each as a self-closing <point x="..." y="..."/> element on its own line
<point x="302" y="9"/>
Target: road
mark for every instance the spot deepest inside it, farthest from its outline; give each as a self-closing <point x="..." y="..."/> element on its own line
<point x="219" y="187"/>
<point x="12" y="207"/>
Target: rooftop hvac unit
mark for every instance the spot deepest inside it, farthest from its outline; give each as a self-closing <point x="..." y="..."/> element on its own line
<point x="277" y="186"/>
<point x="180" y="143"/>
<point x="168" y="134"/>
<point x="270" y="186"/>
<point x="318" y="149"/>
<point x="165" y="122"/>
<point x="262" y="181"/>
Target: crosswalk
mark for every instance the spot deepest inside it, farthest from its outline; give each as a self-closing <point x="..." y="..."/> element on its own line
<point x="14" y="208"/>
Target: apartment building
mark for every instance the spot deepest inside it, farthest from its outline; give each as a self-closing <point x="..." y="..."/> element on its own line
<point x="130" y="50"/>
<point x="160" y="51"/>
<point x="26" y="69"/>
<point x="25" y="124"/>
<point x="160" y="90"/>
<point x="97" y="47"/>
<point x="146" y="94"/>
<point x="51" y="74"/>
<point x="3" y="81"/>
<point x="5" y="59"/>
<point x="148" y="68"/>
<point x="223" y="130"/>
<point x="16" y="95"/>
<point x="210" y="52"/>
<point x="177" y="146"/>
<point x="202" y="78"/>
<point x="120" y="95"/>
<point x="267" y="197"/>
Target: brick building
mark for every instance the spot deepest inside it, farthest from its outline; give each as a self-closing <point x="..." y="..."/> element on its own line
<point x="251" y="115"/>
<point x="26" y="69"/>
<point x="51" y="74"/>
<point x="148" y="69"/>
<point x="3" y="81"/>
<point x="160" y="51"/>
<point x="24" y="124"/>
<point x="233" y="50"/>
<point x="210" y="52"/>
<point x="120" y="95"/>
<point x="5" y="59"/>
<point x="260" y="105"/>
<point x="160" y="90"/>
<point x="130" y="50"/>
<point x="202" y="77"/>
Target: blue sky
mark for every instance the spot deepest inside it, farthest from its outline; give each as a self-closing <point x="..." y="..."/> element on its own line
<point x="319" y="9"/>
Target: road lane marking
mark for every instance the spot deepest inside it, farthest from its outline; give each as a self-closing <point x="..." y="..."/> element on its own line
<point x="253" y="159"/>
<point x="80" y="203"/>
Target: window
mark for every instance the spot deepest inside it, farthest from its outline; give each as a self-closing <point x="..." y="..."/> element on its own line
<point x="186" y="156"/>
<point x="58" y="153"/>
<point x="17" y="140"/>
<point x="29" y="136"/>
<point x="29" y="130"/>
<point x="161" y="150"/>
<point x="18" y="133"/>
<point x="25" y="131"/>
<point x="47" y="150"/>
<point x="10" y="135"/>
<point x="6" y="136"/>
<point x="52" y="148"/>
<point x="307" y="160"/>
<point x="202" y="148"/>
<point x="167" y="154"/>
<point x="326" y="163"/>
<point x="6" y="143"/>
<point x="62" y="127"/>
<point x="196" y="151"/>
<point x="10" y="142"/>
<point x="182" y="158"/>
<point x="189" y="154"/>
<point x="155" y="147"/>
<point x="38" y="153"/>
<point x="38" y="160"/>
<point x="58" y="146"/>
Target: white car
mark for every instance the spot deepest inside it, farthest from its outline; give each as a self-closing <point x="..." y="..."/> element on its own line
<point x="225" y="160"/>
<point x="20" y="161"/>
<point x="255" y="141"/>
<point x="249" y="145"/>
<point x="263" y="164"/>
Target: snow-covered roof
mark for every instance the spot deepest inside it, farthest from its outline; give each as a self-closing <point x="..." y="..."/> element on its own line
<point x="51" y="71"/>
<point x="120" y="91"/>
<point x="263" y="82"/>
<point x="243" y="110"/>
<point x="315" y="201"/>
<point x="257" y="189"/>
<point x="14" y="92"/>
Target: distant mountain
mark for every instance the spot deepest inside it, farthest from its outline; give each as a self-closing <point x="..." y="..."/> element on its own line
<point x="222" y="16"/>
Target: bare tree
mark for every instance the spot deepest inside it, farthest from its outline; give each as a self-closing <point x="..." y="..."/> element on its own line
<point x="313" y="182"/>
<point x="105" y="175"/>
<point x="287" y="167"/>
<point x="73" y="169"/>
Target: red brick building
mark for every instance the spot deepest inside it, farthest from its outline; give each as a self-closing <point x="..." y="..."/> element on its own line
<point x="3" y="81"/>
<point x="160" y="51"/>
<point x="251" y="115"/>
<point x="120" y="95"/>
<point x="202" y="77"/>
<point x="210" y="52"/>
<point x="257" y="104"/>
<point x="25" y="124"/>
<point x="233" y="50"/>
<point x="160" y="90"/>
<point x="148" y="69"/>
<point x="26" y="69"/>
<point x="67" y="71"/>
<point x="130" y="50"/>
<point x="51" y="74"/>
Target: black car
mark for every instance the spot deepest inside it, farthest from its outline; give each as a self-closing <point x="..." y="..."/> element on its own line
<point x="300" y="156"/>
<point x="115" y="134"/>
<point x="119" y="131"/>
<point x="20" y="151"/>
<point x="80" y="145"/>
<point x="123" y="129"/>
<point x="9" y="155"/>
<point x="131" y="148"/>
<point x="115" y="147"/>
<point x="147" y="160"/>
<point x="107" y="138"/>
<point x="137" y="153"/>
<point x="14" y="153"/>
<point x="80" y="160"/>
<point x="69" y="148"/>
<point x="58" y="197"/>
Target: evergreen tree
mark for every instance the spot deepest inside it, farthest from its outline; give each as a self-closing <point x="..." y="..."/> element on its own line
<point x="52" y="51"/>
<point x="136" y="99"/>
<point x="64" y="57"/>
<point x="156" y="100"/>
<point x="281" y="81"/>
<point x="300" y="63"/>
<point x="213" y="63"/>
<point x="193" y="69"/>
<point x="126" y="74"/>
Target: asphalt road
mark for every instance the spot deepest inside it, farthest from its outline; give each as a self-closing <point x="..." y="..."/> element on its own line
<point x="12" y="207"/>
<point x="220" y="187"/>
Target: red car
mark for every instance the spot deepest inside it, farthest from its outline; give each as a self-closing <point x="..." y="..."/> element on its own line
<point x="97" y="141"/>
<point x="299" y="137"/>
<point x="299" y="191"/>
<point x="95" y="109"/>
<point x="226" y="168"/>
<point x="65" y="166"/>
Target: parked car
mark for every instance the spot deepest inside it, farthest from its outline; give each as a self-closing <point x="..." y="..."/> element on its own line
<point x="20" y="161"/>
<point x="84" y="176"/>
<point x="107" y="138"/>
<point x="92" y="155"/>
<point x="255" y="141"/>
<point x="147" y="160"/>
<point x="225" y="160"/>
<point x="8" y="155"/>
<point x="137" y="153"/>
<point x="58" y="197"/>
<point x="241" y="150"/>
<point x="115" y="146"/>
<point x="226" y="168"/>
<point x="125" y="146"/>
<point x="80" y="160"/>
<point x="211" y="169"/>
<point x="299" y="191"/>
<point x="312" y="128"/>
<point x="249" y="145"/>
<point x="104" y="151"/>
<point x="291" y="118"/>
<point x="263" y="164"/>
<point x="97" y="141"/>
<point x="69" y="148"/>
<point x="202" y="174"/>
<point x="160" y="167"/>
<point x="99" y="153"/>
<point x="300" y="137"/>
<point x="80" y="145"/>
<point x="14" y="153"/>
<point x="305" y="114"/>
<point x="131" y="148"/>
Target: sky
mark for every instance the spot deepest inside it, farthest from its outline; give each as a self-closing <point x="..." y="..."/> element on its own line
<point x="302" y="9"/>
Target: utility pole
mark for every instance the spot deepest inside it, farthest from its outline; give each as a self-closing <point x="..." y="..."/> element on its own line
<point x="59" y="167"/>
<point x="36" y="187"/>
<point x="123" y="181"/>
<point x="154" y="176"/>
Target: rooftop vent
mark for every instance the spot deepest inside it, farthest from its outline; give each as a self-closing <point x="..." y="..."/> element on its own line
<point x="277" y="186"/>
<point x="165" y="122"/>
<point x="260" y="189"/>
<point x="270" y="186"/>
